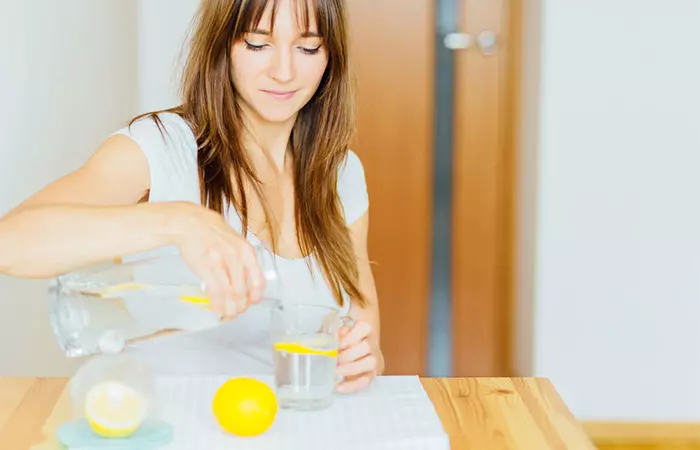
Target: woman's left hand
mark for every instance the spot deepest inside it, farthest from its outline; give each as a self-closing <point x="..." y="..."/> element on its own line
<point x="358" y="359"/>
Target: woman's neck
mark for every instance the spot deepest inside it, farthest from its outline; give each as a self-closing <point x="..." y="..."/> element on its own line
<point x="267" y="142"/>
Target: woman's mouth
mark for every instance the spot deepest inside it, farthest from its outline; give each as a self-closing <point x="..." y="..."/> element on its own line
<point x="279" y="95"/>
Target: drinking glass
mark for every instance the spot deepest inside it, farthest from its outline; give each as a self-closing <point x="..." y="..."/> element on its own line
<point x="305" y="342"/>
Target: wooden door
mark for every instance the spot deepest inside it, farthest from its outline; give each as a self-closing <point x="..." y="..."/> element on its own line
<point x="484" y="127"/>
<point x="392" y="50"/>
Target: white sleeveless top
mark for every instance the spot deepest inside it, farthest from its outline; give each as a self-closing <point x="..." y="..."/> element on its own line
<point x="242" y="346"/>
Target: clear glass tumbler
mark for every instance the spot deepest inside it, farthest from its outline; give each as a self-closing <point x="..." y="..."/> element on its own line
<point x="305" y="342"/>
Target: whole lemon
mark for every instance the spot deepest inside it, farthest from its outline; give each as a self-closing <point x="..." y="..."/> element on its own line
<point x="245" y="406"/>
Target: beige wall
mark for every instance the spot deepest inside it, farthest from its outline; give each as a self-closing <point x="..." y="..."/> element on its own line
<point x="69" y="78"/>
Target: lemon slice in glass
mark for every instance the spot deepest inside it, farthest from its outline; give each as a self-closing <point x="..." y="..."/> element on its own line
<point x="114" y="410"/>
<point x="300" y="349"/>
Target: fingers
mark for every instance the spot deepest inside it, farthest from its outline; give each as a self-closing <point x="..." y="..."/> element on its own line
<point x="217" y="285"/>
<point x="355" y="352"/>
<point x="356" y="363"/>
<point x="226" y="264"/>
<point x="237" y="258"/>
<point x="360" y="331"/>
<point x="355" y="384"/>
<point x="358" y="367"/>
<point x="236" y="274"/>
<point x="255" y="281"/>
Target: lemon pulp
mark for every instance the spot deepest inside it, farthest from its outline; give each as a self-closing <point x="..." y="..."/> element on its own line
<point x="114" y="410"/>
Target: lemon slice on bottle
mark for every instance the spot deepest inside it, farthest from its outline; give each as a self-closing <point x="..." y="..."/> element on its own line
<point x="300" y="349"/>
<point x="119" y="289"/>
<point x="114" y="410"/>
<point x="202" y="302"/>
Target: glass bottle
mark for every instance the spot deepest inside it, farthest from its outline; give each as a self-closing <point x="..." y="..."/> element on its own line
<point x="107" y="307"/>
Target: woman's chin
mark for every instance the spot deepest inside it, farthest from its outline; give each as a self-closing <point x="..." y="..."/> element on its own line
<point x="277" y="115"/>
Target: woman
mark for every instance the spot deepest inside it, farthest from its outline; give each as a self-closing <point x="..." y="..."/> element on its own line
<point x="257" y="152"/>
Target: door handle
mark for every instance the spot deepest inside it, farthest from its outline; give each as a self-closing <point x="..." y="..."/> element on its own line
<point x="485" y="41"/>
<point x="457" y="41"/>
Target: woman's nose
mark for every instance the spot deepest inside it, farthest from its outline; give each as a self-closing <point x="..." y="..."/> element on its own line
<point x="282" y="68"/>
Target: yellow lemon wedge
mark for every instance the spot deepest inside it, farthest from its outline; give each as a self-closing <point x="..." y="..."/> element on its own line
<point x="114" y="410"/>
<point x="202" y="302"/>
<point x="245" y="406"/>
<point x="295" y="347"/>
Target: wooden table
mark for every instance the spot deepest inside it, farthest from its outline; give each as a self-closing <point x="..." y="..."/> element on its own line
<point x="477" y="413"/>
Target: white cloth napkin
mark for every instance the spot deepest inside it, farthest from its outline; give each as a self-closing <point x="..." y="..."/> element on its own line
<point x="393" y="413"/>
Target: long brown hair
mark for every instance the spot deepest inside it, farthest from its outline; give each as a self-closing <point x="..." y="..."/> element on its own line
<point x="319" y="139"/>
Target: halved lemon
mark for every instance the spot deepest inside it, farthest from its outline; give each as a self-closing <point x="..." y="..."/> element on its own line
<point x="301" y="349"/>
<point x="114" y="410"/>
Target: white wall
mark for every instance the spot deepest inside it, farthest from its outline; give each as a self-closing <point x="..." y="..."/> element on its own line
<point x="617" y="240"/>
<point x="70" y="74"/>
<point x="68" y="78"/>
<point x="163" y="29"/>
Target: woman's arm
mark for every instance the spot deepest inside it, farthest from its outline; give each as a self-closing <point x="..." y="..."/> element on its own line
<point x="361" y="358"/>
<point x="86" y="216"/>
<point x="48" y="240"/>
<point x="93" y="215"/>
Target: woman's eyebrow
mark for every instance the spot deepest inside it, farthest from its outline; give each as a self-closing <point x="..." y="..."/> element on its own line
<point x="260" y="31"/>
<point x="307" y="34"/>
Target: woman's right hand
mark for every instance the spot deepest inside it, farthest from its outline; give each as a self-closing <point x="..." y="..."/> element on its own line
<point x="224" y="260"/>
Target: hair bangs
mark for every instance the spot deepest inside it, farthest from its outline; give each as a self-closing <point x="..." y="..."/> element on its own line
<point x="309" y="14"/>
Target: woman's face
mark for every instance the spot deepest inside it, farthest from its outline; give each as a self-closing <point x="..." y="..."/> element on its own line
<point x="276" y="74"/>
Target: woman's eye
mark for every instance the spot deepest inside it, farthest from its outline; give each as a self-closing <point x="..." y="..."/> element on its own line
<point x="254" y="47"/>
<point x="310" y="51"/>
